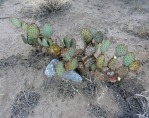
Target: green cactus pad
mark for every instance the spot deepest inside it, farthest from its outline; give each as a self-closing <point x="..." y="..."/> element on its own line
<point x="73" y="43"/>
<point x="47" y="30"/>
<point x="24" y="26"/>
<point x="121" y="50"/>
<point x="100" y="61"/>
<point x="105" y="46"/>
<point x="31" y="40"/>
<point x="93" y="67"/>
<point x="33" y="31"/>
<point x="50" y="42"/>
<point x="72" y="65"/>
<point x="99" y="37"/>
<point x="135" y="65"/>
<point x="60" y="70"/>
<point x="43" y="42"/>
<point x="128" y="58"/>
<point x="24" y="39"/>
<point x="111" y="62"/>
<point x="93" y="31"/>
<point x="66" y="42"/>
<point x="86" y="35"/>
<point x="16" y="22"/>
<point x="67" y="55"/>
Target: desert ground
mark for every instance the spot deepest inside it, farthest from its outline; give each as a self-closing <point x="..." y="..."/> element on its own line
<point x="25" y="92"/>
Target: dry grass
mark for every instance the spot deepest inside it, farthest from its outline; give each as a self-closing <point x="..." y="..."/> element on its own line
<point x="51" y="5"/>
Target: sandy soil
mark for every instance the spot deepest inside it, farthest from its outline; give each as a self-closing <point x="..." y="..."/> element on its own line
<point x="21" y="69"/>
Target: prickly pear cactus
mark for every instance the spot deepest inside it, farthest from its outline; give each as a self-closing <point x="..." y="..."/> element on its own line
<point x="121" y="50"/>
<point x="99" y="37"/>
<point x="135" y="65"/>
<point x="47" y="30"/>
<point x="55" y="50"/>
<point x="60" y="70"/>
<point x="43" y="42"/>
<point x="93" y="67"/>
<point x="100" y="61"/>
<point x="24" y="26"/>
<point x="72" y="65"/>
<point x="111" y="62"/>
<point x="33" y="31"/>
<point x="73" y="43"/>
<point x="16" y="22"/>
<point x="105" y="46"/>
<point x="128" y="58"/>
<point x="86" y="35"/>
<point x="67" y="42"/>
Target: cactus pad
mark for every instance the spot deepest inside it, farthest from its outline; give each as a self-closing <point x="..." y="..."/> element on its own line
<point x="86" y="35"/>
<point x="60" y="70"/>
<point x="55" y="50"/>
<point x="128" y="58"/>
<point x="72" y="65"/>
<point x="121" y="50"/>
<point x="111" y="62"/>
<point x="73" y="43"/>
<point x="47" y="30"/>
<point x="93" y="67"/>
<point x="16" y="22"/>
<point x="25" y="26"/>
<point x="33" y="31"/>
<point x="105" y="46"/>
<point x="135" y="65"/>
<point x="100" y="61"/>
<point x="99" y="37"/>
<point x="43" y="42"/>
<point x="24" y="39"/>
<point x="66" y="42"/>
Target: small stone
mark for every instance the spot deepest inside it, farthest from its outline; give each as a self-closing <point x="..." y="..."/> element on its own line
<point x="69" y="75"/>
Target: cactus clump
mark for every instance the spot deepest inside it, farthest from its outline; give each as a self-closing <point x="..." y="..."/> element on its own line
<point x="88" y="61"/>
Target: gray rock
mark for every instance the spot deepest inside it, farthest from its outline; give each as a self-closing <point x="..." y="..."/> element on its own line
<point x="69" y="75"/>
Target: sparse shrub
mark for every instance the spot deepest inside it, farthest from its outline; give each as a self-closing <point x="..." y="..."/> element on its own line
<point x="85" y="61"/>
<point x="50" y="5"/>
